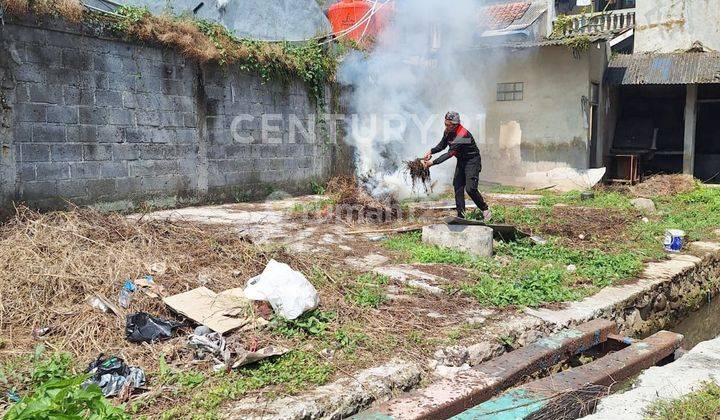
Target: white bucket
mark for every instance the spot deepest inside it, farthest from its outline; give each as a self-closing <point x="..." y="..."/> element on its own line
<point x="674" y="240"/>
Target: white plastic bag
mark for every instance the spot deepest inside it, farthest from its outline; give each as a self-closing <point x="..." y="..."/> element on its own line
<point x="288" y="291"/>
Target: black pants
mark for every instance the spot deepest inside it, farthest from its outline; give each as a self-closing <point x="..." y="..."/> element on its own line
<point x="466" y="177"/>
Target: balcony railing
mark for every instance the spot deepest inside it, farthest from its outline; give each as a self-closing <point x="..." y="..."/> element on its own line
<point x="594" y="23"/>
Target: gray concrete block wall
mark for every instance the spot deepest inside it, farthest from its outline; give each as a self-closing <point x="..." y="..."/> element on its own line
<point x="93" y="120"/>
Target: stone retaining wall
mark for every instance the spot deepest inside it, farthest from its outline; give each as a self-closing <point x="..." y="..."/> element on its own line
<point x="95" y="120"/>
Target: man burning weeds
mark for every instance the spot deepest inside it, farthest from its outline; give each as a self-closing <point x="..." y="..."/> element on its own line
<point x="462" y="146"/>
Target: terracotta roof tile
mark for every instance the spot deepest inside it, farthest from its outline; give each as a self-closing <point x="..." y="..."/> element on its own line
<point x="500" y="16"/>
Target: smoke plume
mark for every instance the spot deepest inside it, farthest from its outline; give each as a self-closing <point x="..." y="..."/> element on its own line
<point x="399" y="91"/>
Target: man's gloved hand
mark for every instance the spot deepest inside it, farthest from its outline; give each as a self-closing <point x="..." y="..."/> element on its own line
<point x="427" y="156"/>
<point x="427" y="163"/>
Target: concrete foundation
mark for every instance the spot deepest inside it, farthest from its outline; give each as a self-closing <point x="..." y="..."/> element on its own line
<point x="477" y="240"/>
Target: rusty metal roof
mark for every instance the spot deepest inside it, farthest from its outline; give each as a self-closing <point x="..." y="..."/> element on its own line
<point x="500" y="16"/>
<point x="664" y="68"/>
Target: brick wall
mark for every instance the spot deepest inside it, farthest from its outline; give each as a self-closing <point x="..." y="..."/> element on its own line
<point x="92" y="120"/>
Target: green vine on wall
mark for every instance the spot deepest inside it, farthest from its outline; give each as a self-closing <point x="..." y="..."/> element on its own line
<point x="204" y="41"/>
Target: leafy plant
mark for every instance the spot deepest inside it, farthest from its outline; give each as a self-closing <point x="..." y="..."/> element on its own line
<point x="349" y="341"/>
<point x="417" y="251"/>
<point x="65" y="399"/>
<point x="367" y="292"/>
<point x="311" y="323"/>
<point x="317" y="188"/>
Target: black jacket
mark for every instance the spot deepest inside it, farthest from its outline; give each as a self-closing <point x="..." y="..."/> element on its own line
<point x="461" y="143"/>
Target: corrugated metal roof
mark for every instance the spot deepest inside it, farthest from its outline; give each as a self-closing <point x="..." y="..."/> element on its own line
<point x="664" y="69"/>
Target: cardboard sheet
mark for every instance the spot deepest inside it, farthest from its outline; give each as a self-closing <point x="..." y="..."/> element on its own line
<point x="221" y="312"/>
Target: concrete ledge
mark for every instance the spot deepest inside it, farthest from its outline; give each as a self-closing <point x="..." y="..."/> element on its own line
<point x="477" y="240"/>
<point x="339" y="399"/>
<point x="665" y="291"/>
<point x="668" y="382"/>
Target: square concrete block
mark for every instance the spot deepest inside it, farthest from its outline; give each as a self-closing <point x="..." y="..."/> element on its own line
<point x="476" y="240"/>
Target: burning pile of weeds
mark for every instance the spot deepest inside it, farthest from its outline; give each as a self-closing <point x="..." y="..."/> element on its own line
<point x="663" y="185"/>
<point x="419" y="174"/>
<point x="51" y="263"/>
<point x="353" y="202"/>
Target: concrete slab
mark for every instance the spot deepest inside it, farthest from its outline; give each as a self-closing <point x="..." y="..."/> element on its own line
<point x="410" y="276"/>
<point x="668" y="382"/>
<point x="476" y="240"/>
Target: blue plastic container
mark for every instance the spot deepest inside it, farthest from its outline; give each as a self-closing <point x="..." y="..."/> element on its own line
<point x="674" y="240"/>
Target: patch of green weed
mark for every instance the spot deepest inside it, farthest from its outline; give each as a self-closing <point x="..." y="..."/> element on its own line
<point x="419" y="252"/>
<point x="699" y="405"/>
<point x="367" y="292"/>
<point x="314" y="322"/>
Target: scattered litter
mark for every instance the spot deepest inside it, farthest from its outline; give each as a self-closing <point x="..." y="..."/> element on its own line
<point x="377" y="238"/>
<point x="571" y="268"/>
<point x="208" y="343"/>
<point x="245" y="357"/>
<point x="40" y="332"/>
<point x="645" y="220"/>
<point x="674" y="240"/>
<point x="13" y="396"/>
<point x="587" y="195"/>
<point x="103" y="304"/>
<point x="143" y="327"/>
<point x="113" y="376"/>
<point x="581" y="236"/>
<point x="203" y="279"/>
<point x="537" y="240"/>
<point x="288" y="291"/>
<point x="158" y="268"/>
<point x="125" y="294"/>
<point x="221" y="312"/>
<point x="148" y="286"/>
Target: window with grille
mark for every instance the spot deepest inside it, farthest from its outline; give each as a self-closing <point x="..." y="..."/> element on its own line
<point x="510" y="91"/>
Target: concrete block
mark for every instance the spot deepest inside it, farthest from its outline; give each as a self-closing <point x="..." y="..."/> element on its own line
<point x="93" y="115"/>
<point x="27" y="172"/>
<point x="85" y="170"/>
<point x="30" y="112"/>
<point x="476" y="240"/>
<point x="35" y="153"/>
<point x="114" y="170"/>
<point x="38" y="189"/>
<point x="66" y="152"/>
<point x="46" y="133"/>
<point x="62" y="114"/>
<point x="93" y="152"/>
<point x="48" y="171"/>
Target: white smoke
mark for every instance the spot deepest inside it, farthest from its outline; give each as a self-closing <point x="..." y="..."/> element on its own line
<point x="400" y="91"/>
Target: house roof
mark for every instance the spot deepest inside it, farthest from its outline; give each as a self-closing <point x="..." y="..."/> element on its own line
<point x="500" y="16"/>
<point x="664" y="69"/>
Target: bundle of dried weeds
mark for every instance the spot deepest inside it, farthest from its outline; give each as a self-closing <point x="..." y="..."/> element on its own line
<point x="419" y="174"/>
<point x="663" y="185"/>
<point x="72" y="10"/>
<point x="177" y="33"/>
<point x="353" y="202"/>
<point x="51" y="263"/>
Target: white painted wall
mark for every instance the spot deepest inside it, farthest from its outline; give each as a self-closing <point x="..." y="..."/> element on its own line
<point x="547" y="129"/>
<point x="672" y="25"/>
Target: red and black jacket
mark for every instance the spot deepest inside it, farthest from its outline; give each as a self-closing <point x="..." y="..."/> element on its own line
<point x="462" y="145"/>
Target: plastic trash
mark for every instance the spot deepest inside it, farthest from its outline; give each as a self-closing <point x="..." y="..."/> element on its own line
<point x="13" y="396"/>
<point x="125" y="294"/>
<point x="143" y="327"/>
<point x="288" y="291"/>
<point x="674" y="240"/>
<point x="112" y="375"/>
<point x="206" y="342"/>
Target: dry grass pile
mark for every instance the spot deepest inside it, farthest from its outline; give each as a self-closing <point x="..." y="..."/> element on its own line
<point x="50" y="263"/>
<point x="353" y="202"/>
<point x="663" y="185"/>
<point x="419" y="174"/>
<point x="176" y="33"/>
<point x="72" y="10"/>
